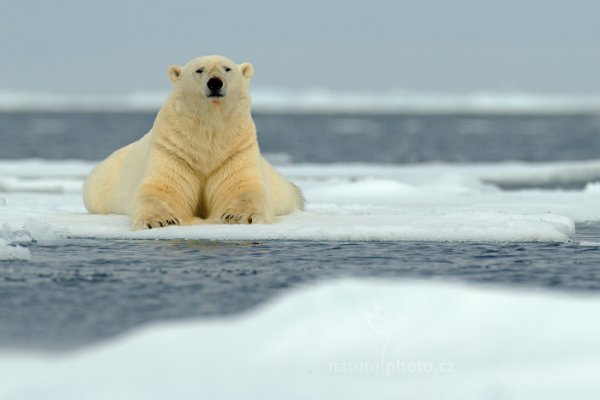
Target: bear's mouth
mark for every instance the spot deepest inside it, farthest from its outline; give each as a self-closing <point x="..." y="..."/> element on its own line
<point x="216" y="95"/>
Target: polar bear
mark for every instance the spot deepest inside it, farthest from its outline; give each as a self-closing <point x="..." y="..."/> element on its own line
<point x="200" y="162"/>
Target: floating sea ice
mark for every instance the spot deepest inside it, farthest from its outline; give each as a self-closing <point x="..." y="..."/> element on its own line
<point x="342" y="340"/>
<point x="14" y="236"/>
<point x="587" y="243"/>
<point x="40" y="231"/>
<point x="439" y="202"/>
<point x="592" y="187"/>
<point x="9" y="252"/>
<point x="42" y="185"/>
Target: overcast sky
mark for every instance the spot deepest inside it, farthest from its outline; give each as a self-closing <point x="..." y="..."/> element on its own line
<point x="112" y="46"/>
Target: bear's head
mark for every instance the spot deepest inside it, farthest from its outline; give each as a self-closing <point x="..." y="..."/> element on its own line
<point x="213" y="81"/>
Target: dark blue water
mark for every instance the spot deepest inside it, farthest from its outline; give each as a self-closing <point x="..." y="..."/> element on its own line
<point x="76" y="292"/>
<point x="327" y="138"/>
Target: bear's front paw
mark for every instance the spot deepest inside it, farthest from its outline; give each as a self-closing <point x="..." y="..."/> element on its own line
<point x="240" y="217"/>
<point x="158" y="222"/>
<point x="153" y="213"/>
<point x="150" y="221"/>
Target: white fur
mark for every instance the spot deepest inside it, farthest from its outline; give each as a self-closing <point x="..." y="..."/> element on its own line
<point x="200" y="162"/>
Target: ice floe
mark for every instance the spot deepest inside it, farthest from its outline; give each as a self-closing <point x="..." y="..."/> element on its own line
<point x="439" y="202"/>
<point x="341" y="340"/>
<point x="10" y="249"/>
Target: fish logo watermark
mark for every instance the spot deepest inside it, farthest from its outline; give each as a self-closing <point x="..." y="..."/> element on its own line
<point x="393" y="331"/>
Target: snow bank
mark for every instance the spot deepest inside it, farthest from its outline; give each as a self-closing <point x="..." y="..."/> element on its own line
<point x="323" y="101"/>
<point x="342" y="340"/>
<point x="442" y="202"/>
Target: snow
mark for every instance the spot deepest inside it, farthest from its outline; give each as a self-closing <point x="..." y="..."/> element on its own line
<point x="341" y="340"/>
<point x="322" y="101"/>
<point x="439" y="202"/>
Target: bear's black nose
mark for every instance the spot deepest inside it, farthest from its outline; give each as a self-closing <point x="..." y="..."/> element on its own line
<point x="214" y="84"/>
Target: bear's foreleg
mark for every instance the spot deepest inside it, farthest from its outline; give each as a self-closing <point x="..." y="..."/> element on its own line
<point x="238" y="197"/>
<point x="247" y="208"/>
<point x="158" y="205"/>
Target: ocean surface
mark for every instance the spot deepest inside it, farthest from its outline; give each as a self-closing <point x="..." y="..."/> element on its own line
<point x="327" y="137"/>
<point x="81" y="291"/>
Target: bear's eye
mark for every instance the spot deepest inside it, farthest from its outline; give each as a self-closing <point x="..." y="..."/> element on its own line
<point x="227" y="69"/>
<point x="200" y="70"/>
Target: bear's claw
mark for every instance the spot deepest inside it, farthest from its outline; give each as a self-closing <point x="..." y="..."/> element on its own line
<point x="232" y="218"/>
<point x="147" y="223"/>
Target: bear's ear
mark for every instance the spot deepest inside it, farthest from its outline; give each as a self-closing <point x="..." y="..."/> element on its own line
<point x="174" y="72"/>
<point x="247" y="70"/>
